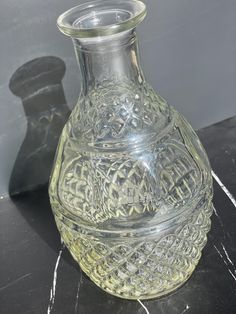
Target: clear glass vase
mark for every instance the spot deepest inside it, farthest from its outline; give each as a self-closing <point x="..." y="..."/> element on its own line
<point x="131" y="187"/>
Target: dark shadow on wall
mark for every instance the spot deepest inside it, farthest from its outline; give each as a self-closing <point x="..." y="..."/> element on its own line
<point x="39" y="85"/>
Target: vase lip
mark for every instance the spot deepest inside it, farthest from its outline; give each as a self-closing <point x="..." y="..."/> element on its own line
<point x="101" y="18"/>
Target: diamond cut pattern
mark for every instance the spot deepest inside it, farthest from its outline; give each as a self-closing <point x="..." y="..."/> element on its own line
<point x="132" y="269"/>
<point x="104" y="180"/>
<point x="115" y="110"/>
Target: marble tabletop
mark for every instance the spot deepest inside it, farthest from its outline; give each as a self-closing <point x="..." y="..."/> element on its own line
<point x="38" y="275"/>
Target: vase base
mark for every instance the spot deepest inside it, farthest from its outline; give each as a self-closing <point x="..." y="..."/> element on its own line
<point x="151" y="296"/>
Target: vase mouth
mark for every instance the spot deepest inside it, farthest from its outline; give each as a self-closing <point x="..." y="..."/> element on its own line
<point x="101" y="18"/>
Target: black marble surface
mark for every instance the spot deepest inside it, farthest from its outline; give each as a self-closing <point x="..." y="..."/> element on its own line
<point x="38" y="275"/>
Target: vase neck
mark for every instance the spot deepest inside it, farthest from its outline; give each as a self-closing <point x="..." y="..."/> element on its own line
<point x="112" y="58"/>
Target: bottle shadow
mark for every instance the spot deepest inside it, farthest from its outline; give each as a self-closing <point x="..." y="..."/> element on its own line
<point x="39" y="85"/>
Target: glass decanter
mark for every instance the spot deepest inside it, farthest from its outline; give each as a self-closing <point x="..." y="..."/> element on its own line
<point x="131" y="187"/>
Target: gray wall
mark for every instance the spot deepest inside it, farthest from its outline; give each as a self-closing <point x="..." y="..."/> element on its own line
<point x="188" y="53"/>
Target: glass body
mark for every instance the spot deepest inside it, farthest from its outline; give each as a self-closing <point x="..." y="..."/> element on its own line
<point x="131" y="187"/>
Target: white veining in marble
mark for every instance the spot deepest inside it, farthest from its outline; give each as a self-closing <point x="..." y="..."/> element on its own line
<point x="227" y="192"/>
<point x="232" y="199"/>
<point x="227" y="255"/>
<point x="78" y="290"/>
<point x="231" y="273"/>
<point x="141" y="303"/>
<point x="186" y="309"/>
<point x="53" y="288"/>
<point x="218" y="217"/>
<point x="14" y="281"/>
<point x="225" y="262"/>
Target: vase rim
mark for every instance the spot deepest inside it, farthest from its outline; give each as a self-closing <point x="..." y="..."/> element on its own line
<point x="101" y="18"/>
